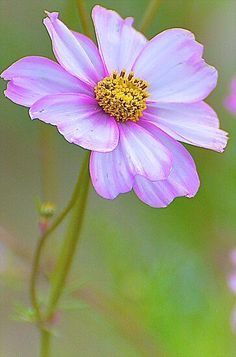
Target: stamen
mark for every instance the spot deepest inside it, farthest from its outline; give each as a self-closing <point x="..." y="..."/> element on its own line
<point x="122" y="96"/>
<point x="131" y="75"/>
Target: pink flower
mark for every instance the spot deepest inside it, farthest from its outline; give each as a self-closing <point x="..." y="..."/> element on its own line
<point x="230" y="101"/>
<point x="129" y="101"/>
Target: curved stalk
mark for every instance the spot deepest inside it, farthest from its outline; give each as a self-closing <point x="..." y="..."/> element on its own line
<point x="43" y="239"/>
<point x="65" y="260"/>
<point x="68" y="249"/>
<point x="45" y="343"/>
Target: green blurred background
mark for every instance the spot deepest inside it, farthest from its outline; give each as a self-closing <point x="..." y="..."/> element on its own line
<point x="148" y="282"/>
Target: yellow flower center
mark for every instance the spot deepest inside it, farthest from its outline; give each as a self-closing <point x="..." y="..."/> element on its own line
<point x="122" y="96"/>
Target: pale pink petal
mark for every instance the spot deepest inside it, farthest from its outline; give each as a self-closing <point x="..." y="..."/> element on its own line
<point x="92" y="51"/>
<point x="230" y="101"/>
<point x="78" y="56"/>
<point x="232" y="283"/>
<point x="182" y="181"/>
<point x="119" y="43"/>
<point x="145" y="155"/>
<point x="79" y="119"/>
<point x="32" y="78"/>
<point x="194" y="123"/>
<point x="137" y="153"/>
<point x="110" y="173"/>
<point x="171" y="62"/>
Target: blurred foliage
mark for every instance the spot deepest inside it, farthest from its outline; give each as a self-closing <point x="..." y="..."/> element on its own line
<point x="153" y="281"/>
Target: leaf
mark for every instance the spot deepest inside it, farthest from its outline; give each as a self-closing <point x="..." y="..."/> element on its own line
<point x="24" y="313"/>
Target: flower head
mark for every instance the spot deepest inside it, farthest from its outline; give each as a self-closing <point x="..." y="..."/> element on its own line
<point x="129" y="101"/>
<point x="230" y="101"/>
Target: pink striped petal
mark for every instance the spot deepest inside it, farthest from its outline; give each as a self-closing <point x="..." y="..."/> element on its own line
<point x="232" y="283"/>
<point x="31" y="78"/>
<point x="137" y="153"/>
<point x="145" y="155"/>
<point x="171" y="62"/>
<point x="119" y="43"/>
<point x="182" y="181"/>
<point x="194" y="123"/>
<point x="77" y="55"/>
<point x="110" y="173"/>
<point x="230" y="101"/>
<point x="79" y="119"/>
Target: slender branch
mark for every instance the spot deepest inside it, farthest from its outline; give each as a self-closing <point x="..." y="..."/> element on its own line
<point x="69" y="246"/>
<point x="41" y="242"/>
<point x="149" y="14"/>
<point x="84" y="17"/>
<point x="45" y="343"/>
<point x="66" y="256"/>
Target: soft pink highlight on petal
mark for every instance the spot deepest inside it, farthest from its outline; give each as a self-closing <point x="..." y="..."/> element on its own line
<point x="92" y="51"/>
<point x="171" y="62"/>
<point x="21" y="96"/>
<point x="182" y="181"/>
<point x="79" y="119"/>
<point x="232" y="283"/>
<point x="78" y="57"/>
<point x="145" y="155"/>
<point x="193" y="123"/>
<point x="230" y="101"/>
<point x="110" y="173"/>
<point x="33" y="77"/>
<point x="119" y="43"/>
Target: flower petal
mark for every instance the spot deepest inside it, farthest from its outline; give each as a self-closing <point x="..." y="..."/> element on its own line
<point x="230" y="101"/>
<point x="77" y="55"/>
<point x="32" y="78"/>
<point x="110" y="173"/>
<point x="79" y="119"/>
<point x="194" y="123"/>
<point x="137" y="153"/>
<point x="182" y="181"/>
<point x="171" y="62"/>
<point x="119" y="43"/>
<point x="144" y="154"/>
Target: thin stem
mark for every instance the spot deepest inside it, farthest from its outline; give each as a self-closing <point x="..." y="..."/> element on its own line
<point x="45" y="343"/>
<point x="150" y="14"/>
<point x="83" y="17"/>
<point x="43" y="239"/>
<point x="69" y="247"/>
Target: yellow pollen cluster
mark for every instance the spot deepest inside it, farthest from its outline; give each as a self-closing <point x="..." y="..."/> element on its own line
<point x="122" y="96"/>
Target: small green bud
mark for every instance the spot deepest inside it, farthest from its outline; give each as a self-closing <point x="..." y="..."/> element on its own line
<point x="47" y="210"/>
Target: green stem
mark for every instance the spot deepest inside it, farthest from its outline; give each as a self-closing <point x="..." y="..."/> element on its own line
<point x="149" y="14"/>
<point x="43" y="239"/>
<point x="45" y="343"/>
<point x="83" y="17"/>
<point x="68" y="247"/>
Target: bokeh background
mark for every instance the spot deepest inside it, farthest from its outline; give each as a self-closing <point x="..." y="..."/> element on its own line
<point x="146" y="282"/>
